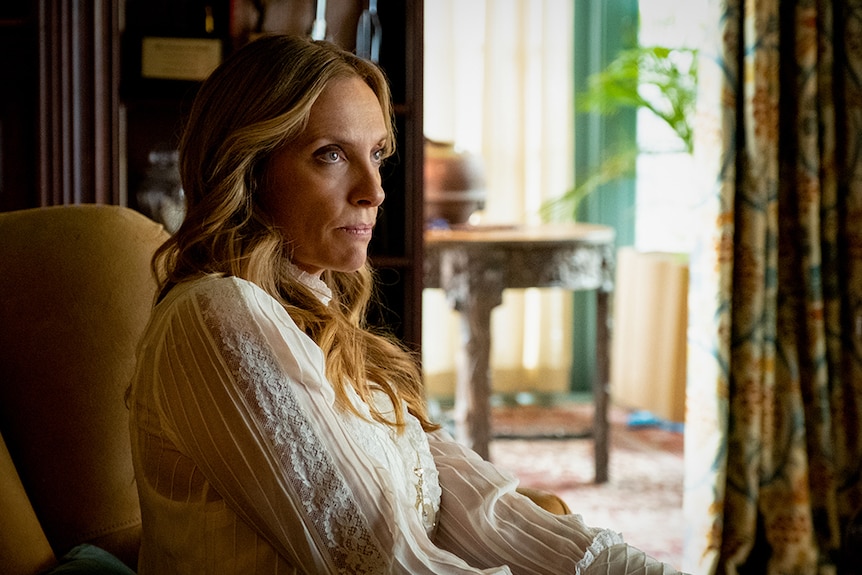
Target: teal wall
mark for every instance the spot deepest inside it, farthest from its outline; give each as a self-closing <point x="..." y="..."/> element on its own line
<point x="602" y="29"/>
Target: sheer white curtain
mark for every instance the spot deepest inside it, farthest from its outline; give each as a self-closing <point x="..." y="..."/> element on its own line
<point x="498" y="82"/>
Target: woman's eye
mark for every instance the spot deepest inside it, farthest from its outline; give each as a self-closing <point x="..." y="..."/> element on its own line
<point x="377" y="156"/>
<point x="330" y="156"/>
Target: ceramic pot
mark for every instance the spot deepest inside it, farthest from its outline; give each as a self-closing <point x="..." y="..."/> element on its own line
<point x="454" y="183"/>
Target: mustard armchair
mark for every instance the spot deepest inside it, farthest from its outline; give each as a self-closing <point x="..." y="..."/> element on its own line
<point x="75" y="295"/>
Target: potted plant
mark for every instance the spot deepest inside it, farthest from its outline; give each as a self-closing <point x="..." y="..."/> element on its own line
<point x="657" y="78"/>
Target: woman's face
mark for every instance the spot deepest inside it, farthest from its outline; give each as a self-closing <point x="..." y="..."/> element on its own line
<point x="322" y="189"/>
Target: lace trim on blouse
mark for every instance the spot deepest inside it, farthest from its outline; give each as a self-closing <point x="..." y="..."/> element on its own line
<point x="312" y="282"/>
<point x="313" y="475"/>
<point x="406" y="455"/>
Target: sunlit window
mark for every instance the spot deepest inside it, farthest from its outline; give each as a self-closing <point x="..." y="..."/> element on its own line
<point x="664" y="198"/>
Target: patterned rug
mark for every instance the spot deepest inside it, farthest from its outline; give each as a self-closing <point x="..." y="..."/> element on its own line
<point x="643" y="498"/>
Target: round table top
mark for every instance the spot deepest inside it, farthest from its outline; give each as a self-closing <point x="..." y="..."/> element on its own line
<point x="540" y="233"/>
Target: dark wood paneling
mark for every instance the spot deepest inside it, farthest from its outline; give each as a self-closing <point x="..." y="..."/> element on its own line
<point x="78" y="116"/>
<point x="59" y="109"/>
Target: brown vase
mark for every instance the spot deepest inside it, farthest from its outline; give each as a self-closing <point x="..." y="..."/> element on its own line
<point x="454" y="183"/>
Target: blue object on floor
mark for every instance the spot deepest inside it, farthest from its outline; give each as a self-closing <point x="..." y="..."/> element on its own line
<point x="648" y="419"/>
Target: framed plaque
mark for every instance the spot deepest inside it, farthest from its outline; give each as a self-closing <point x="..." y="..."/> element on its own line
<point x="179" y="58"/>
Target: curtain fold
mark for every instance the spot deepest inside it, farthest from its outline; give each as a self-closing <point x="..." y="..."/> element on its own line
<point x="773" y="454"/>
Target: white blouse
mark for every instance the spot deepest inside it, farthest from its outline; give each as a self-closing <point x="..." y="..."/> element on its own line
<point x="245" y="464"/>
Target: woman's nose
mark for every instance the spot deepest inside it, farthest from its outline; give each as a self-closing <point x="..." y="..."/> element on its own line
<point x="368" y="190"/>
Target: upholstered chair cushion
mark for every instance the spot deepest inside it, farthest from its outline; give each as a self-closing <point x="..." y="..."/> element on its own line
<point x="75" y="295"/>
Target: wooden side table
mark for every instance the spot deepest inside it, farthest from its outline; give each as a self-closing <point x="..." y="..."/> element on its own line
<point x="474" y="265"/>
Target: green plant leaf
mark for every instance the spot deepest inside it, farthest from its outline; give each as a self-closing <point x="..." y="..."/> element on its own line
<point x="660" y="79"/>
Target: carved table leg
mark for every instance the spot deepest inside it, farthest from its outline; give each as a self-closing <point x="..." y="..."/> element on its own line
<point x="600" y="387"/>
<point x="473" y="389"/>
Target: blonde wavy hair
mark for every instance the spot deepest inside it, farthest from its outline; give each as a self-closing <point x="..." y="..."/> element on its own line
<point x="258" y="100"/>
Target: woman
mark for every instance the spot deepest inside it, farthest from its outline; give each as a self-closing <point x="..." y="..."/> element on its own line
<point x="273" y="433"/>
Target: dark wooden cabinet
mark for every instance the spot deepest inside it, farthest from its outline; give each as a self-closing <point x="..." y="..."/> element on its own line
<point x="397" y="249"/>
<point x="78" y="122"/>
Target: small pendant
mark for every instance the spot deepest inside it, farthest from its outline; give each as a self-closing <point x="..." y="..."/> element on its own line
<point x="420" y="488"/>
<point x="423" y="502"/>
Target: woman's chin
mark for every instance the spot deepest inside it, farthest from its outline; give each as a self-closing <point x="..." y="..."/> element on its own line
<point x="351" y="265"/>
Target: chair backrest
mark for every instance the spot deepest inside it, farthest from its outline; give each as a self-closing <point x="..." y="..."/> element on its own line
<point x="75" y="295"/>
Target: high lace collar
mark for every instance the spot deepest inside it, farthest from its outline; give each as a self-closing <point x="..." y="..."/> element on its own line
<point x="312" y="282"/>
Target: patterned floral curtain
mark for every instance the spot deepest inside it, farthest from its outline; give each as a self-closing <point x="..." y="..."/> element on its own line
<point x="774" y="425"/>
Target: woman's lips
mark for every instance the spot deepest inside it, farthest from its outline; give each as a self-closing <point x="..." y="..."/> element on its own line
<point x="358" y="229"/>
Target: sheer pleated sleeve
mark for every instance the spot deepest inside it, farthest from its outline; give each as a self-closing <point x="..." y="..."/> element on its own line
<point x="485" y="521"/>
<point x="243" y="462"/>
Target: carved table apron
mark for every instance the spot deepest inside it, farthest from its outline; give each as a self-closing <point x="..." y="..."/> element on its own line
<point x="474" y="265"/>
